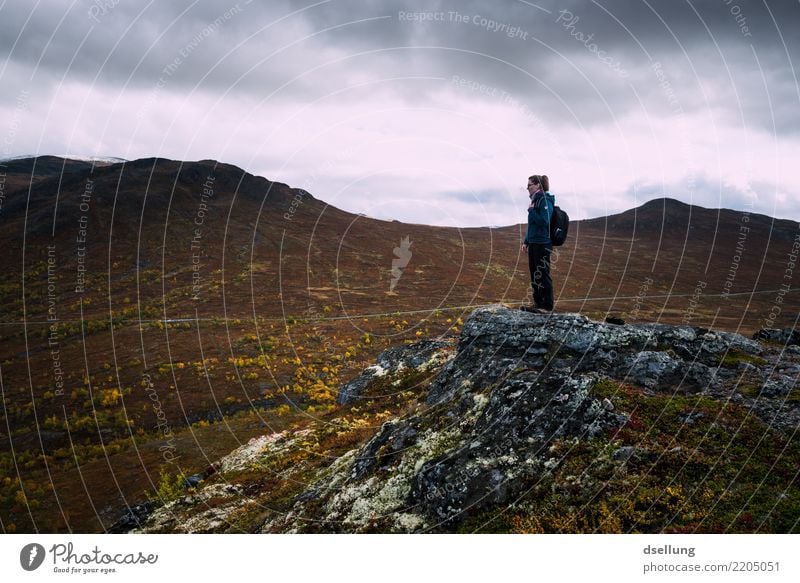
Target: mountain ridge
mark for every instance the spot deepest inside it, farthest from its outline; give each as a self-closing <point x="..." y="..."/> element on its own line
<point x="24" y="164"/>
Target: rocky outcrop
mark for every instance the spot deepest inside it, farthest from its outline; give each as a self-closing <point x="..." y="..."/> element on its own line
<point x="785" y="336"/>
<point x="420" y="356"/>
<point x="502" y="413"/>
<point x="134" y="517"/>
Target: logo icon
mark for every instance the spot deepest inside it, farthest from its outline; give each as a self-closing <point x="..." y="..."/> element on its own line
<point x="31" y="556"/>
<point x="403" y="253"/>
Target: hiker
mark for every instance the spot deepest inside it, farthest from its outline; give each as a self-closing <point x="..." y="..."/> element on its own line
<point x="537" y="243"/>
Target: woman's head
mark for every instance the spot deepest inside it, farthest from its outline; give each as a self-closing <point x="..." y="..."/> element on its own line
<point x="538" y="182"/>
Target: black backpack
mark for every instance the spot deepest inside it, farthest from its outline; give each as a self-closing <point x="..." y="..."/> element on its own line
<point x="559" y="225"/>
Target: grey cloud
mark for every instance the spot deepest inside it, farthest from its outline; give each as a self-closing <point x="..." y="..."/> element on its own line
<point x="551" y="64"/>
<point x="556" y="70"/>
<point x="132" y="42"/>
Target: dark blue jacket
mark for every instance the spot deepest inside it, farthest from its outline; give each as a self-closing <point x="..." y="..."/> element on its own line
<point x="539" y="219"/>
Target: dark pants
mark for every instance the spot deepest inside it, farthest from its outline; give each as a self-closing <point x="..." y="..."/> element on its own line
<point x="542" y="284"/>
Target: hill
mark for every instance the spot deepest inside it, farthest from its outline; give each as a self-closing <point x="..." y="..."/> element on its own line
<point x="158" y="314"/>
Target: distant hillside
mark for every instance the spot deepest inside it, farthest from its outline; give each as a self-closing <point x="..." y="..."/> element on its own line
<point x="143" y="213"/>
<point x="158" y="307"/>
<point x="668" y="218"/>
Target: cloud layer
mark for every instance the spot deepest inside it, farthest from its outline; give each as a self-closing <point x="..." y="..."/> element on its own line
<point x="419" y="111"/>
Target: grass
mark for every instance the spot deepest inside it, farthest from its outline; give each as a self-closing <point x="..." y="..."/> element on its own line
<point x="733" y="358"/>
<point x="297" y="374"/>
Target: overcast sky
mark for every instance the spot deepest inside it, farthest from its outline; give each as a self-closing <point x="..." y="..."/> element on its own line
<point x="428" y="112"/>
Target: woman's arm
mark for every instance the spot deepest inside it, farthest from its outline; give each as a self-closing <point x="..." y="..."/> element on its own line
<point x="537" y="212"/>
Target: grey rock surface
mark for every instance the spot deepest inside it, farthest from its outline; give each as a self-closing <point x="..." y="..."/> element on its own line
<point x="420" y="356"/>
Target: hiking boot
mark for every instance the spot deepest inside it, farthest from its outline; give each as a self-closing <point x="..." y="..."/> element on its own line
<point x="530" y="309"/>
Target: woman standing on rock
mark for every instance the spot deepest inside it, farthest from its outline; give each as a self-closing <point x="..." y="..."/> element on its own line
<point x="537" y="243"/>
